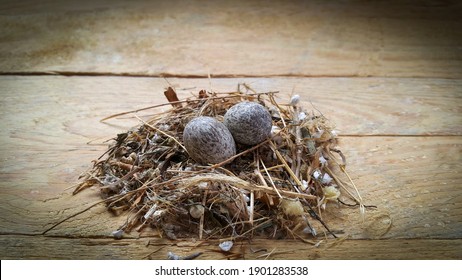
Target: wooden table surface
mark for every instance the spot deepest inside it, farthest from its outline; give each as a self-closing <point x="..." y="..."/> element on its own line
<point x="388" y="73"/>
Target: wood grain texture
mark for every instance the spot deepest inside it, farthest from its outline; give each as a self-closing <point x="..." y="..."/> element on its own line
<point x="20" y="247"/>
<point x="358" y="106"/>
<point x="245" y="38"/>
<point x="416" y="191"/>
<point x="414" y="180"/>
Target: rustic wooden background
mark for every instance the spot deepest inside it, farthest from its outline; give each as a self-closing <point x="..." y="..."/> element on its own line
<point x="388" y="73"/>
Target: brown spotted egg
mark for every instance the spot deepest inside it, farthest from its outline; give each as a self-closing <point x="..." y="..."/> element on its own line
<point x="208" y="141"/>
<point x="249" y="122"/>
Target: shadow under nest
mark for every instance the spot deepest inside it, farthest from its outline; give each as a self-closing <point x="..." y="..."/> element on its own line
<point x="275" y="189"/>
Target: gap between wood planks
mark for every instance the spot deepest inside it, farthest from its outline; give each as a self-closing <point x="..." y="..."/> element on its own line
<point x="193" y="76"/>
<point x="397" y="135"/>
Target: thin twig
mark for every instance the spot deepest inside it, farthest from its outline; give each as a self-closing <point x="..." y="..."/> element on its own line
<point x="251" y="206"/>
<point x="161" y="132"/>
<point x="176" y="102"/>
<point x="287" y="167"/>
<point x="341" y="184"/>
<point x="73" y="215"/>
<point x="240" y="154"/>
<point x="155" y="251"/>
<point x="201" y="221"/>
<point x="269" y="177"/>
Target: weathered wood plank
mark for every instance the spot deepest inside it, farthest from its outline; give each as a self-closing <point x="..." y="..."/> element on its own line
<point x="249" y="38"/>
<point x="358" y="106"/>
<point x="27" y="247"/>
<point x="414" y="180"/>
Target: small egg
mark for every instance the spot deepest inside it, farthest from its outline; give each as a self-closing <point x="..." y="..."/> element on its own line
<point x="249" y="122"/>
<point x="208" y="140"/>
<point x="196" y="211"/>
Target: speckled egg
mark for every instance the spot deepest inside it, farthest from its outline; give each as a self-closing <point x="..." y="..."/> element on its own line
<point x="208" y="141"/>
<point x="249" y="122"/>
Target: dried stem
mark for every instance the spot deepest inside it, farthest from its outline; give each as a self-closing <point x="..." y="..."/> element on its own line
<point x="269" y="177"/>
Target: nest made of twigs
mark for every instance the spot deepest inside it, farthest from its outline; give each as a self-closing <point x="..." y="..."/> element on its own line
<point x="275" y="189"/>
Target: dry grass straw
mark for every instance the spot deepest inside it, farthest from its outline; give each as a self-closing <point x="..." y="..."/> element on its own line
<point x="270" y="190"/>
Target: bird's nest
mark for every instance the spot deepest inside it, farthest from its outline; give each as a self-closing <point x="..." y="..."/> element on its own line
<point x="275" y="189"/>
